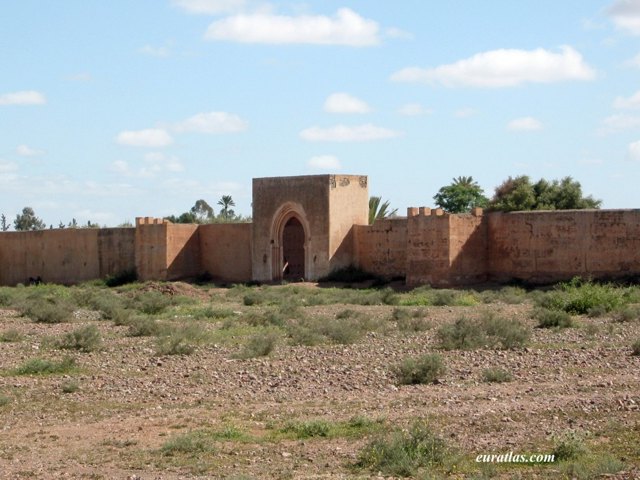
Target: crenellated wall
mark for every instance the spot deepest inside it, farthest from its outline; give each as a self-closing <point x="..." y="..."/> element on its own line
<point x="426" y="247"/>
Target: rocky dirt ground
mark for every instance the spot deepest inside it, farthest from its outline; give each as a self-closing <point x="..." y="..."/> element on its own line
<point x="113" y="415"/>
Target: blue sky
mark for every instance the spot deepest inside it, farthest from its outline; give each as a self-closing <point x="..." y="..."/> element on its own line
<point x="112" y="110"/>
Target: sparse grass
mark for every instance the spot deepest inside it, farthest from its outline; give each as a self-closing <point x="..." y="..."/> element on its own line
<point x="342" y="331"/>
<point x="259" y="345"/>
<point x="425" y="296"/>
<point x="180" y="340"/>
<point x="509" y="334"/>
<point x="144" y="327"/>
<point x="421" y="370"/>
<point x="308" y="429"/>
<point x="4" y="400"/>
<point x="404" y="453"/>
<point x="70" y="386"/>
<point x="627" y="314"/>
<point x="464" y="334"/>
<point x="40" y="366"/>
<point x="83" y="339"/>
<point x="355" y="427"/>
<point x="569" y="446"/>
<point x="11" y="335"/>
<point x="496" y="375"/>
<point x="490" y="330"/>
<point x="191" y="444"/>
<point x="553" y="318"/>
<point x="509" y="295"/>
<point x="635" y="347"/>
<point x="209" y="312"/>
<point x="591" y="467"/>
<point x="150" y="303"/>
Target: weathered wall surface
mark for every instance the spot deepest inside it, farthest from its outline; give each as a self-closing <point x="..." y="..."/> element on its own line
<point x="550" y="246"/>
<point x="151" y="248"/>
<point x="183" y="251"/>
<point x="225" y="251"/>
<point x="348" y="206"/>
<point x="467" y="249"/>
<point x="308" y="198"/>
<point x="381" y="248"/>
<point x="65" y="255"/>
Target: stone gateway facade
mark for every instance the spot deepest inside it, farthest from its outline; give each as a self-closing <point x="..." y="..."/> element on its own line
<point x="308" y="226"/>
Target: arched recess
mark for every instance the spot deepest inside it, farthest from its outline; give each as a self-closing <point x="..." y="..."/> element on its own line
<point x="290" y="237"/>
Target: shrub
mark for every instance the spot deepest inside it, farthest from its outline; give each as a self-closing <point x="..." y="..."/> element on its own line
<point x="191" y="443"/>
<point x="403" y="453"/>
<point x="121" y="278"/>
<point x="552" y="318"/>
<point x="84" y="339"/>
<point x="309" y="429"/>
<point x="151" y="303"/>
<point x="578" y="297"/>
<point x="569" y="446"/>
<point x="180" y="341"/>
<point x="260" y="345"/>
<point x="4" y="400"/>
<point x="70" y="386"/>
<point x="144" y="327"/>
<point x="592" y="466"/>
<point x="464" y="334"/>
<point x="635" y="347"/>
<point x="215" y="313"/>
<point x="421" y="370"/>
<point x="496" y="375"/>
<point x="10" y="336"/>
<point x="627" y="314"/>
<point x="509" y="333"/>
<point x="39" y="366"/>
<point x="48" y="311"/>
<point x="7" y="297"/>
<point x="350" y="274"/>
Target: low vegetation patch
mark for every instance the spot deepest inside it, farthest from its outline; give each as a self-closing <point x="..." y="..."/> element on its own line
<point x="425" y="296"/>
<point x="579" y="297"/>
<point x="553" y="318"/>
<point x="404" y="453"/>
<point x="496" y="375"/>
<point x="41" y="366"/>
<point x="635" y="347"/>
<point x="420" y="370"/>
<point x="180" y="340"/>
<point x="191" y="444"/>
<point x="10" y="335"/>
<point x="48" y="310"/>
<point x="342" y="331"/>
<point x="259" y="345"/>
<point x="83" y="339"/>
<point x="490" y="331"/>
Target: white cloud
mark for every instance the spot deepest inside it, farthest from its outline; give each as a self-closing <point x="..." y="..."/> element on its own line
<point x="414" y="109"/>
<point x="212" y="122"/>
<point x="150" y="137"/>
<point x="344" y="133"/>
<point x="209" y="7"/>
<point x="634" y="150"/>
<point x="8" y="167"/>
<point x="26" y="151"/>
<point x="324" y="162"/>
<point x="633" y="62"/>
<point x="625" y="15"/>
<point x="618" y="123"/>
<point x="393" y="32"/>
<point x="628" y="102"/>
<point x="524" y="124"/>
<point x="152" y="51"/>
<point x="503" y="68"/>
<point x="464" y="113"/>
<point x="26" y="97"/>
<point x="345" y="103"/>
<point x="155" y="163"/>
<point x="345" y="28"/>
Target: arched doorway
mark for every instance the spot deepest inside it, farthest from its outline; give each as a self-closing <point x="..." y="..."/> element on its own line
<point x="293" y="252"/>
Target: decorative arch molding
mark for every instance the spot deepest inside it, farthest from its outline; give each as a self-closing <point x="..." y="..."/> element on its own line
<point x="286" y="212"/>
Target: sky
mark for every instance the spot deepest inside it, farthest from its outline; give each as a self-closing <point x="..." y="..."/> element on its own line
<point x="115" y="109"/>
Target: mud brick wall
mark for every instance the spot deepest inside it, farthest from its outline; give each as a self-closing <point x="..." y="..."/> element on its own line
<point x="225" y="251"/>
<point x="549" y="246"/>
<point x="65" y="256"/>
<point x="381" y="248"/>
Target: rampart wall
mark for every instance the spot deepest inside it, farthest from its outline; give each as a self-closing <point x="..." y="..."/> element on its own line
<point x="65" y="255"/>
<point x="225" y="251"/>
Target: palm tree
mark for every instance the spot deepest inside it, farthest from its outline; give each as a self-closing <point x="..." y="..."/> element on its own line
<point x="378" y="210"/>
<point x="225" y="202"/>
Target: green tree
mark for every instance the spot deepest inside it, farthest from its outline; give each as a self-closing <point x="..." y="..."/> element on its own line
<point x="379" y="209"/>
<point x="27" y="220"/>
<point x="225" y="202"/>
<point x="202" y="211"/>
<point x="461" y="196"/>
<point x="4" y="226"/>
<point x="520" y="193"/>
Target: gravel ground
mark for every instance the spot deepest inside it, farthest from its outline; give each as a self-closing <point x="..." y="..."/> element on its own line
<point x="129" y="402"/>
